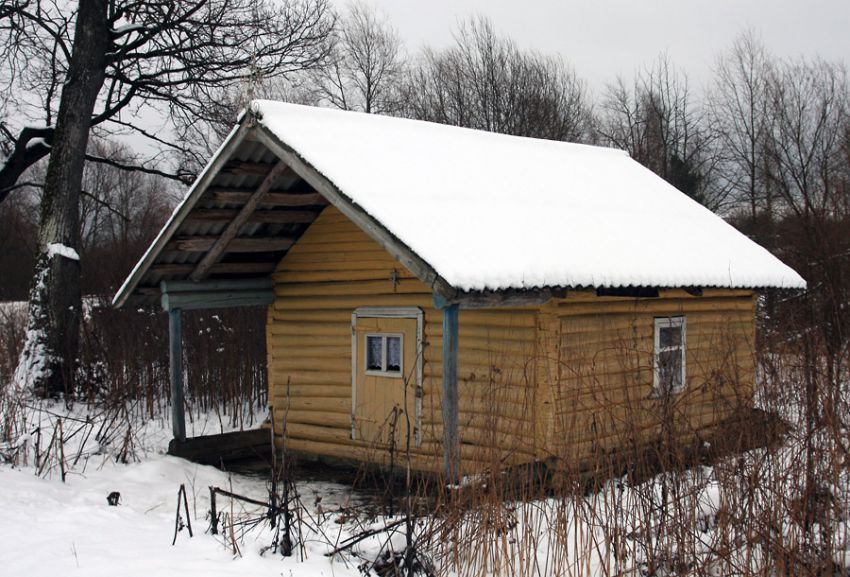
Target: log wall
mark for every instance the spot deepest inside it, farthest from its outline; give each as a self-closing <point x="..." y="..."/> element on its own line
<point x="602" y="395"/>
<point x="336" y="268"/>
<point x="592" y="357"/>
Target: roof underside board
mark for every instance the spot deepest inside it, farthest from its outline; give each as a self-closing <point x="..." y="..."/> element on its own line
<point x="246" y="219"/>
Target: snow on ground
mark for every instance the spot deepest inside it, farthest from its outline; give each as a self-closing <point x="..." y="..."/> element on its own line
<point x="667" y="523"/>
<point x="55" y="528"/>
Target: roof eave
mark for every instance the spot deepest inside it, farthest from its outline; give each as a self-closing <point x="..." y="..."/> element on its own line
<point x="213" y="167"/>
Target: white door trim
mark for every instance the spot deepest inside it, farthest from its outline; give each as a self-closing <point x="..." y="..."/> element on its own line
<point x="390" y="313"/>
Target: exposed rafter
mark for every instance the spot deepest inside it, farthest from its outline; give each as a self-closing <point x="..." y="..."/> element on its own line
<point x="229" y="233"/>
<point x="218" y="268"/>
<point x="259" y="216"/>
<point x="235" y="196"/>
<point x="206" y="244"/>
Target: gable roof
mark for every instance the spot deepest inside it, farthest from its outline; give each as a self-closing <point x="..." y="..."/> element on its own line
<point x="468" y="210"/>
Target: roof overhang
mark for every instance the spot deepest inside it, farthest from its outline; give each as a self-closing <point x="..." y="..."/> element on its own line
<point x="184" y="253"/>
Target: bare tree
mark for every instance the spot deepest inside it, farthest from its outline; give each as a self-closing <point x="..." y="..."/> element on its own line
<point x="120" y="213"/>
<point x="124" y="56"/>
<point x="740" y="114"/>
<point x="365" y="65"/>
<point x="657" y="123"/>
<point x="807" y="160"/>
<point x="485" y="81"/>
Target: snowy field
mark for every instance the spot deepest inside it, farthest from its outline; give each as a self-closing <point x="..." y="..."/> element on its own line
<point x="704" y="521"/>
<point x="55" y="528"/>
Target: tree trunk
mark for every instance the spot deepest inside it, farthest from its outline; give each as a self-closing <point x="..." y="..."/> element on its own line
<point x="47" y="362"/>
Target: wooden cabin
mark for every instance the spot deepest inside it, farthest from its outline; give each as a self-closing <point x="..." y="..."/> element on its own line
<point x="486" y="300"/>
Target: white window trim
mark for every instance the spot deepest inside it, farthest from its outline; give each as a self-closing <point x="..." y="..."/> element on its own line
<point x="391" y="313"/>
<point x="668" y="322"/>
<point x="383" y="372"/>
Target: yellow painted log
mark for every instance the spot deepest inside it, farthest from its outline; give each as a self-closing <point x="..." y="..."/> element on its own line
<point x="305" y="276"/>
<point x="352" y="302"/>
<point x="350" y="287"/>
<point x="285" y="341"/>
<point x="325" y="391"/>
<point x="340" y="420"/>
<point x="312" y="328"/>
<point x="322" y="404"/>
<point x="312" y="377"/>
<point x="293" y="363"/>
<point x="338" y="351"/>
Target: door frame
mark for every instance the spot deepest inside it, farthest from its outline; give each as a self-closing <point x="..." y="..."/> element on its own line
<point x="414" y="313"/>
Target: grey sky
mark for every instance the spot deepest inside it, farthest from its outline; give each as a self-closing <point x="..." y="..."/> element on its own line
<point x="605" y="38"/>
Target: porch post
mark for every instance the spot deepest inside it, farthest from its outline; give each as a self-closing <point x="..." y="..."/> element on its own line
<point x="451" y="446"/>
<point x="175" y="357"/>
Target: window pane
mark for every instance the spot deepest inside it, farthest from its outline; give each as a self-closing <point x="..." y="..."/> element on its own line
<point x="670" y="370"/>
<point x="393" y="354"/>
<point x="670" y="336"/>
<point x="374" y="352"/>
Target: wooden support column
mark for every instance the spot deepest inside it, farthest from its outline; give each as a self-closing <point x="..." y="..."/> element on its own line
<point x="451" y="441"/>
<point x="175" y="354"/>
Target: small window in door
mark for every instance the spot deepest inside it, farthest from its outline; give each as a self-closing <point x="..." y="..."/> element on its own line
<point x="384" y="354"/>
<point x="669" y="355"/>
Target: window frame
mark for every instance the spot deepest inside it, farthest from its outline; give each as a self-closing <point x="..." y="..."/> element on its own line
<point x="659" y="388"/>
<point x="383" y="372"/>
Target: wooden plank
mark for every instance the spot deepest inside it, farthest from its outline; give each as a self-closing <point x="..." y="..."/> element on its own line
<point x="451" y="440"/>
<point x="243" y="244"/>
<point x="299" y="256"/>
<point x="351" y="302"/>
<point x="226" y="447"/>
<point x="243" y="167"/>
<point x="258" y="216"/>
<point x="327" y="391"/>
<point x="234" y="196"/>
<point x="175" y="364"/>
<point x="195" y="194"/>
<point x="229" y="233"/>
<point x="218" y="268"/>
<point x="216" y="299"/>
<point x="369" y="287"/>
<point x="253" y="284"/>
<point x="292" y="276"/>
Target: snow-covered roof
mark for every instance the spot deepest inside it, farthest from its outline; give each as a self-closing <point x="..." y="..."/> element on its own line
<point x="465" y="210"/>
<point x="491" y="212"/>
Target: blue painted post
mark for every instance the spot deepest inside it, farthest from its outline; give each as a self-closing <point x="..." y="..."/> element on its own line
<point x="175" y="354"/>
<point x="451" y="445"/>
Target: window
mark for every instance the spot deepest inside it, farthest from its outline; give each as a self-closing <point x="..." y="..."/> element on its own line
<point x="384" y="354"/>
<point x="669" y="364"/>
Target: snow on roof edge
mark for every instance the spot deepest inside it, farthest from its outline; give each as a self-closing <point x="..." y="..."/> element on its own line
<point x="391" y="146"/>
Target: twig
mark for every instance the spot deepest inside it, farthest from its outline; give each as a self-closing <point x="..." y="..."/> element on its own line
<point x="365" y="535"/>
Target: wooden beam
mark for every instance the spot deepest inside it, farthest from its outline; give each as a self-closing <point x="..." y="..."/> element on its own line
<point x="243" y="167"/>
<point x="451" y="442"/>
<point x="218" y="268"/>
<point x="505" y="298"/>
<point x="259" y="216"/>
<point x="216" y="299"/>
<point x="231" y="196"/>
<point x="175" y="364"/>
<point x="229" y="233"/>
<point x="247" y="244"/>
<point x="196" y="192"/>
<point x="246" y="284"/>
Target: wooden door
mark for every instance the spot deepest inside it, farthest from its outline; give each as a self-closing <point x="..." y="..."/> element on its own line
<point x="385" y="383"/>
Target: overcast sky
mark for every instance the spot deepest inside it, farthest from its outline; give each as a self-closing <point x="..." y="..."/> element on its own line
<point x="606" y="38"/>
